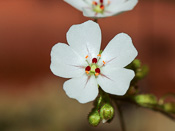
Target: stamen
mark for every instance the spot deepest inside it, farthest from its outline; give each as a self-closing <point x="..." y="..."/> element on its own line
<point x="94" y="2"/>
<point x="104" y="62"/>
<point x="94" y="60"/>
<point x="99" y="55"/>
<point x="97" y="70"/>
<point x="88" y="68"/>
<point x="109" y="2"/>
<point x="102" y="7"/>
<point x="96" y="74"/>
<point x="101" y="1"/>
<point x="87" y="72"/>
<point x="86" y="56"/>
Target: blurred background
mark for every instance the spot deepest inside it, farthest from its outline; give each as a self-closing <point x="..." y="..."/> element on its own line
<point x="32" y="98"/>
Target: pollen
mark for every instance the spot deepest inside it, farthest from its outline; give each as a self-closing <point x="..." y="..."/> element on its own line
<point x="99" y="55"/>
<point x="87" y="72"/>
<point x="94" y="2"/>
<point x="104" y="62"/>
<point x="86" y="56"/>
<point x="102" y="7"/>
<point x="96" y="74"/>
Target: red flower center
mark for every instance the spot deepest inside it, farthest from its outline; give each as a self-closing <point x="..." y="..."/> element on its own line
<point x="94" y="60"/>
<point x="102" y="7"/>
<point x="97" y="70"/>
<point x="88" y="68"/>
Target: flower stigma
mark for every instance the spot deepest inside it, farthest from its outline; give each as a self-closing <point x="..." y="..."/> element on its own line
<point x="99" y="7"/>
<point x="93" y="68"/>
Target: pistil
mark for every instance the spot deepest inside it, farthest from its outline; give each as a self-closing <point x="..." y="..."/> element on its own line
<point x="98" y="7"/>
<point x="94" y="60"/>
<point x="93" y="68"/>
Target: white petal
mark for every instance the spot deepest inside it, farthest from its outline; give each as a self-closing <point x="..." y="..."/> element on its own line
<point x="115" y="81"/>
<point x="114" y="2"/>
<point x="119" y="52"/>
<point x="78" y="4"/>
<point x="118" y="7"/>
<point x="89" y="2"/>
<point x="65" y="62"/>
<point x="83" y="89"/>
<point x="88" y="12"/>
<point x="85" y="38"/>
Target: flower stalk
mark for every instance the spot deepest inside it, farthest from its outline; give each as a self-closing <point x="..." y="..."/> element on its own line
<point x="121" y="117"/>
<point x="96" y="20"/>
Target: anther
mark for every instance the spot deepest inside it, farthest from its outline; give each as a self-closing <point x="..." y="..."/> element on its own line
<point x="87" y="72"/>
<point x="109" y="2"/>
<point x="96" y="74"/>
<point x="102" y="7"/>
<point x="99" y="55"/>
<point x="94" y="2"/>
<point x="88" y="68"/>
<point x="97" y="70"/>
<point x="104" y="62"/>
<point x="86" y="56"/>
<point x="94" y="60"/>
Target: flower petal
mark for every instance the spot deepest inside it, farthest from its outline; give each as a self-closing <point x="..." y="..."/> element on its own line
<point x="119" y="52"/>
<point x="118" y="7"/>
<point x="85" y="38"/>
<point x="84" y="89"/>
<point x="115" y="81"/>
<point x="78" y="4"/>
<point x="65" y="62"/>
<point x="113" y="1"/>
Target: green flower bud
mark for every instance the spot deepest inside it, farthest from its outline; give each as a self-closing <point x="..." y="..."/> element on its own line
<point x="136" y="63"/>
<point x="169" y="107"/>
<point x="106" y="112"/>
<point x="146" y="100"/>
<point x="141" y="72"/>
<point x="94" y="118"/>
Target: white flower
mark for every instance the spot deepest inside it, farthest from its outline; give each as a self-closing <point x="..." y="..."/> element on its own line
<point x="81" y="61"/>
<point x="102" y="8"/>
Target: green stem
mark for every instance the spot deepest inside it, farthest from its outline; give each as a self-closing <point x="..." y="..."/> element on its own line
<point x="162" y="99"/>
<point x="120" y="113"/>
<point x="153" y="108"/>
<point x="96" y="20"/>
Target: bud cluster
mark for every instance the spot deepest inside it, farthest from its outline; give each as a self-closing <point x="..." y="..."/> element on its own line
<point x="102" y="111"/>
<point x="140" y="72"/>
<point x="104" y="114"/>
<point x="146" y="100"/>
<point x="167" y="104"/>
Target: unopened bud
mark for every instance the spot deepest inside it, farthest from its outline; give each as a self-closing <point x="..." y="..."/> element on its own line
<point x="94" y="118"/>
<point x="169" y="107"/>
<point x="106" y="112"/>
<point x="141" y="72"/>
<point x="136" y="63"/>
<point x="146" y="100"/>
